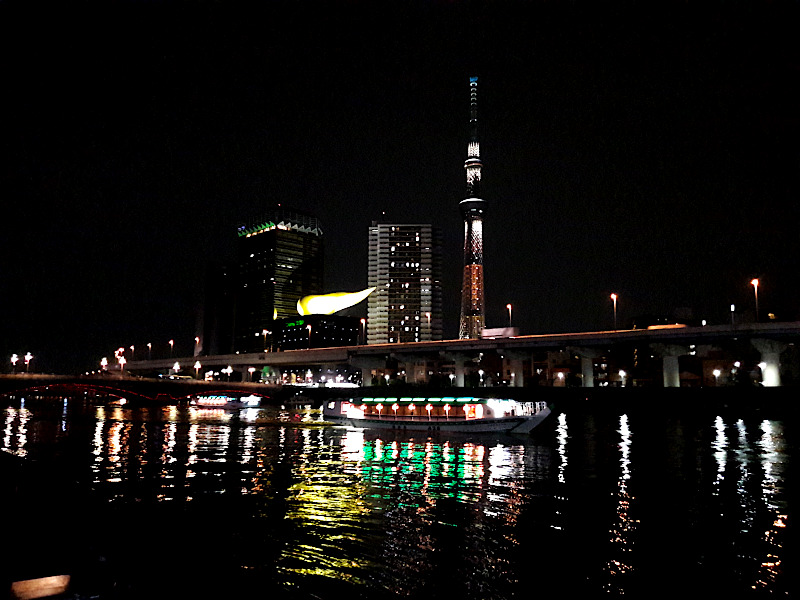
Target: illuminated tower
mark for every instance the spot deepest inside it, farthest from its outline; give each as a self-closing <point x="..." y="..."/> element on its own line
<point x="472" y="209"/>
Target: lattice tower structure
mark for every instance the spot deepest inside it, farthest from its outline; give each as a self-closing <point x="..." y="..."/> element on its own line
<point x="473" y="317"/>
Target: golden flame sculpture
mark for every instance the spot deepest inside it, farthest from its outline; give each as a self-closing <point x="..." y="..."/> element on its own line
<point x="327" y="304"/>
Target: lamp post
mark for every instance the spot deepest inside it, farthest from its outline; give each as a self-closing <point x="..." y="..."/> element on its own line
<point x="754" y="283"/>
<point x="171" y="346"/>
<point x="309" y="336"/>
<point x="508" y="306"/>
<point x="716" y="377"/>
<point x="104" y="363"/>
<point x="122" y="361"/>
<point x="614" y="300"/>
<point x="131" y="351"/>
<point x="28" y="357"/>
<point x="14" y="359"/>
<point x="733" y="312"/>
<point x="149" y="350"/>
<point x="363" y="331"/>
<point x="196" y="345"/>
<point x="197" y="369"/>
<point x="176" y="367"/>
<point x="251" y="370"/>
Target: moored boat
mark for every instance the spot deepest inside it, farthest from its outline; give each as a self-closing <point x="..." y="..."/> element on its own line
<point x="225" y="402"/>
<point x="457" y="414"/>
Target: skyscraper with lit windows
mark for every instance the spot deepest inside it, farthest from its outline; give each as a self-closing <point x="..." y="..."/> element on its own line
<point x="472" y="208"/>
<point x="405" y="269"/>
<point x="279" y="260"/>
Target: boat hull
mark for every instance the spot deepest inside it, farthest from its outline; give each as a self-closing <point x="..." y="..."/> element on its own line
<point x="520" y="424"/>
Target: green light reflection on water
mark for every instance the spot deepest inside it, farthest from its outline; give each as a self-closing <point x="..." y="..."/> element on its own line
<point x="422" y="471"/>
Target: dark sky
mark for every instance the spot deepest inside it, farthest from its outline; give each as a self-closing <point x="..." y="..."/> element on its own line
<point x="644" y="149"/>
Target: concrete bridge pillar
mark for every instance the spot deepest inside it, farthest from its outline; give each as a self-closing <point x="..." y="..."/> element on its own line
<point x="459" y="363"/>
<point x="516" y="363"/>
<point x="770" y="360"/>
<point x="416" y="372"/>
<point x="367" y="364"/>
<point x="670" y="355"/>
<point x="459" y="366"/>
<point x="587" y="356"/>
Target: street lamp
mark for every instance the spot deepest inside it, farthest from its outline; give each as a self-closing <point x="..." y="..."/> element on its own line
<point x="122" y="361"/>
<point x="251" y="370"/>
<point x="508" y="306"/>
<point x="309" y="336"/>
<point x="176" y="367"/>
<point x="131" y="351"/>
<point x="228" y="370"/>
<point x="197" y="369"/>
<point x="622" y="375"/>
<point x="28" y="357"/>
<point x="733" y="310"/>
<point x="14" y="359"/>
<point x="614" y="299"/>
<point x="754" y="283"/>
<point x="104" y="363"/>
<point x="716" y="377"/>
<point x="363" y="331"/>
<point x="149" y="350"/>
<point x="171" y="346"/>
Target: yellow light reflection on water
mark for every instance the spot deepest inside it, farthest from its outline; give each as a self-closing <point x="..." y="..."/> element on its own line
<point x="15" y="430"/>
<point x="624" y="528"/>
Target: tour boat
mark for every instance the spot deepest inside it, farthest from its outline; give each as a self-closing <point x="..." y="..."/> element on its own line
<point x="224" y="401"/>
<point x="450" y="414"/>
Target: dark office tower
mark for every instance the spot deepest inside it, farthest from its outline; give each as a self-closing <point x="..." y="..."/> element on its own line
<point x="405" y="270"/>
<point x="279" y="260"/>
<point x="472" y="209"/>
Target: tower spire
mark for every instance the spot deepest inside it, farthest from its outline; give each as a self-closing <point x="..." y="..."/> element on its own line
<point x="472" y="208"/>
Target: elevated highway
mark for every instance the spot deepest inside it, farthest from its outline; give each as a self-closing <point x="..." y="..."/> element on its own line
<point x="669" y="343"/>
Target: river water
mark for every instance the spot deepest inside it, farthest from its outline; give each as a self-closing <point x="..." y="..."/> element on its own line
<point x="178" y="502"/>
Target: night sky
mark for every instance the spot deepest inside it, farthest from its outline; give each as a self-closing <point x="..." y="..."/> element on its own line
<point x="651" y="152"/>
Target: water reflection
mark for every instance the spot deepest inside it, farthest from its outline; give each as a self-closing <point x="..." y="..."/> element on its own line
<point x="330" y="510"/>
<point x="624" y="527"/>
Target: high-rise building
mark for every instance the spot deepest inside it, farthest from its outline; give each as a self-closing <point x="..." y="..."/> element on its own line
<point x="405" y="269"/>
<point x="279" y="260"/>
<point x="472" y="209"/>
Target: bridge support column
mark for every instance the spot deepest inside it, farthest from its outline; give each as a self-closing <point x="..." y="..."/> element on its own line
<point x="516" y="363"/>
<point x="587" y="356"/>
<point x="670" y="365"/>
<point x="367" y="365"/>
<point x="459" y="371"/>
<point x="770" y="360"/>
<point x="459" y="367"/>
<point x="416" y="372"/>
